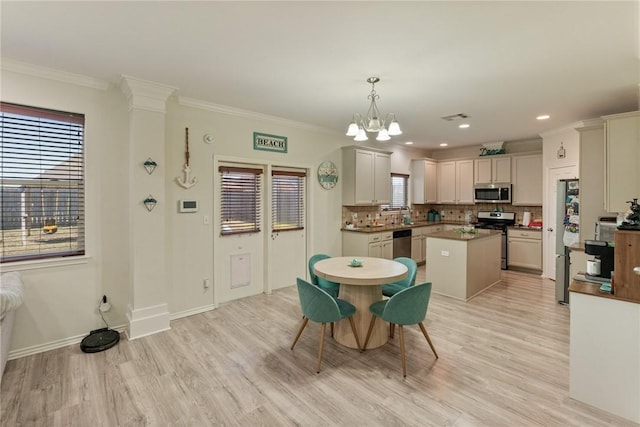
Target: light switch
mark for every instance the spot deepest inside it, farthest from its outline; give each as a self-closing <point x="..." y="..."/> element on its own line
<point x="205" y="220"/>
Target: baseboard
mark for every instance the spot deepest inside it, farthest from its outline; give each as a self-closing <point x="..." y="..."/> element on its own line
<point x="191" y="312"/>
<point x="40" y="348"/>
<point x="147" y="321"/>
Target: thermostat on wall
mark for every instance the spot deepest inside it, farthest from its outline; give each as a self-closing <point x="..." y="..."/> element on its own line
<point x="188" y="206"/>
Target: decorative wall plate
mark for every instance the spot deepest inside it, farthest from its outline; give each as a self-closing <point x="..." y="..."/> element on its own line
<point x="327" y="175"/>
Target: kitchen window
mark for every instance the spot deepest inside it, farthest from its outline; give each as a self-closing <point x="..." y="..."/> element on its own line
<point x="240" y="200"/>
<point x="287" y="199"/>
<point x="42" y="183"/>
<point x="399" y="192"/>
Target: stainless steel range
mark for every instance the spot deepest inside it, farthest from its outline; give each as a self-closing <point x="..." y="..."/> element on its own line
<point x="498" y="221"/>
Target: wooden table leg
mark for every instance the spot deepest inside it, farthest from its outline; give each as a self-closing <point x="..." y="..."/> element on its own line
<point x="361" y="297"/>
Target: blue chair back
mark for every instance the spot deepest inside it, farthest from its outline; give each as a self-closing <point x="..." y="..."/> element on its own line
<point x="312" y="261"/>
<point x="412" y="271"/>
<point x="331" y="287"/>
<point x="409" y="306"/>
<point x="317" y="305"/>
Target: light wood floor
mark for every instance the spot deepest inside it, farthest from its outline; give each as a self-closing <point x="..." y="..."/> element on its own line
<point x="503" y="362"/>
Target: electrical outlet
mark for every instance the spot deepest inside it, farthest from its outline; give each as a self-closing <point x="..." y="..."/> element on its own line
<point x="104" y="304"/>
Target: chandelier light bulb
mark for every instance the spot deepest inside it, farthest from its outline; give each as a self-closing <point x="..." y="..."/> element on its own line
<point x="383" y="135"/>
<point x="353" y="129"/>
<point x="361" y="136"/>
<point x="394" y="128"/>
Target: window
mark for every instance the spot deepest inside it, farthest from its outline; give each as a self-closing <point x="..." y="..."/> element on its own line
<point x="240" y="200"/>
<point x="287" y="194"/>
<point x="42" y="183"/>
<point x="399" y="190"/>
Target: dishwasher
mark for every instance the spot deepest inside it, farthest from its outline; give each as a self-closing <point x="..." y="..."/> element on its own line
<point x="402" y="243"/>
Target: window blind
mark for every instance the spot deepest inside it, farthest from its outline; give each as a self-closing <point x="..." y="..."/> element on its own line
<point x="287" y="199"/>
<point x="399" y="190"/>
<point x="42" y="183"/>
<point x="240" y="200"/>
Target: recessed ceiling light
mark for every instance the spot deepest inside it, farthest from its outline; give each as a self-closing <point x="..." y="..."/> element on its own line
<point x="464" y="125"/>
<point x="444" y="144"/>
<point x="543" y="117"/>
<point x="409" y="143"/>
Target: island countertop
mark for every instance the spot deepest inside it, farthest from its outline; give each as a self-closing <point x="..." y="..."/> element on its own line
<point x="458" y="235"/>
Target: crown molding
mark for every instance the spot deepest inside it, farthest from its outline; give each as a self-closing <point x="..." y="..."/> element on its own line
<point x="237" y="112"/>
<point x="51" y="74"/>
<point x="145" y="94"/>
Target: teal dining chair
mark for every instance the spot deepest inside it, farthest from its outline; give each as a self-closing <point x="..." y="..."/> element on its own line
<point x="331" y="287"/>
<point x="407" y="307"/>
<point x="391" y="289"/>
<point x="317" y="305"/>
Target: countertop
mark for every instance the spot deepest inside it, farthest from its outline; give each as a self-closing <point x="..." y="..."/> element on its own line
<point x="416" y="224"/>
<point x="522" y="227"/>
<point x="593" y="289"/>
<point x="458" y="235"/>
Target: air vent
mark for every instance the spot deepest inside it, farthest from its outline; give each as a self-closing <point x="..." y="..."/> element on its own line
<point x="454" y="117"/>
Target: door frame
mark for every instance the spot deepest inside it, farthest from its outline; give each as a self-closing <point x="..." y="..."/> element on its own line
<point x="266" y="211"/>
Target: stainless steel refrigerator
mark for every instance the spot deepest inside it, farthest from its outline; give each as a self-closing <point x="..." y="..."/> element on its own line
<point x="567" y="232"/>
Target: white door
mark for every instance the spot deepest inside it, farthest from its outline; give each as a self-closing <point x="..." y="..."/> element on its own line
<point x="549" y="220"/>
<point x="287" y="254"/>
<point x="239" y="237"/>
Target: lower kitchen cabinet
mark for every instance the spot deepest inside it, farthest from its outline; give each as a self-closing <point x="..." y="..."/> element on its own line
<point x="418" y="245"/>
<point x="524" y="248"/>
<point x="377" y="245"/>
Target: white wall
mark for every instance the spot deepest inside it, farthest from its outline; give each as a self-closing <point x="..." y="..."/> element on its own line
<point x="60" y="301"/>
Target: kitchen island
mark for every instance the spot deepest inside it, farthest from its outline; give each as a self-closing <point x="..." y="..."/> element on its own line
<point x="461" y="265"/>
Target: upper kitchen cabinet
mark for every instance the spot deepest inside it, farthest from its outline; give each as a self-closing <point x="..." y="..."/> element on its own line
<point x="622" y="160"/>
<point x="366" y="176"/>
<point x="424" y="181"/>
<point x="492" y="170"/>
<point x="455" y="182"/>
<point x="527" y="180"/>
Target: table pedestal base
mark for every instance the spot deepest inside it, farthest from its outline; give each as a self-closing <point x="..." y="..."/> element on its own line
<point x="361" y="297"/>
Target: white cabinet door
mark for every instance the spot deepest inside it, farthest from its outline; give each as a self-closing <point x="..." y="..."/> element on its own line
<point x="375" y="250"/>
<point x="464" y="182"/>
<point x="446" y="182"/>
<point x="501" y="169"/>
<point x="527" y="180"/>
<point x="492" y="170"/>
<point x="482" y="171"/>
<point x="364" y="183"/>
<point x="622" y="171"/>
<point x="386" y="251"/>
<point x="381" y="178"/>
<point x="424" y="178"/>
<point x="525" y="253"/>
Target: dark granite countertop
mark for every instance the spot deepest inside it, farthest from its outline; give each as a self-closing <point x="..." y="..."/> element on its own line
<point x="415" y="224"/>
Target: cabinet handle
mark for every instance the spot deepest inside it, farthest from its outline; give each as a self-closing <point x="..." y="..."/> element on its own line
<point x="636" y="270"/>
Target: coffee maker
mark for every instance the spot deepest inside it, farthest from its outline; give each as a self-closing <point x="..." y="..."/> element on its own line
<point x="602" y="266"/>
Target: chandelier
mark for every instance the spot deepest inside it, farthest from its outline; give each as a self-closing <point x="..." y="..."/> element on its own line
<point x="386" y="126"/>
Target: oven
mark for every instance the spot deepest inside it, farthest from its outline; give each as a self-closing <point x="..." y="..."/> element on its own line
<point x="498" y="221"/>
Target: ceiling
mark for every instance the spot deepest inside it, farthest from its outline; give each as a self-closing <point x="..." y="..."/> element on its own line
<point x="501" y="63"/>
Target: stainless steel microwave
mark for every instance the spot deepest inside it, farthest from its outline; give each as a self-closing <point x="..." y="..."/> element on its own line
<point x="492" y="193"/>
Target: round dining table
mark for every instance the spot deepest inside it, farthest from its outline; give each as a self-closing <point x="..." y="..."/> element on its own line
<point x="361" y="286"/>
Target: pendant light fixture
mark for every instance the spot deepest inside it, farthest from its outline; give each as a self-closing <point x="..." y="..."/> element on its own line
<point x="386" y="126"/>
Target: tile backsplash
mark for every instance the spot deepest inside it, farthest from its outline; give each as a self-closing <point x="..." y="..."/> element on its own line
<point x="367" y="214"/>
